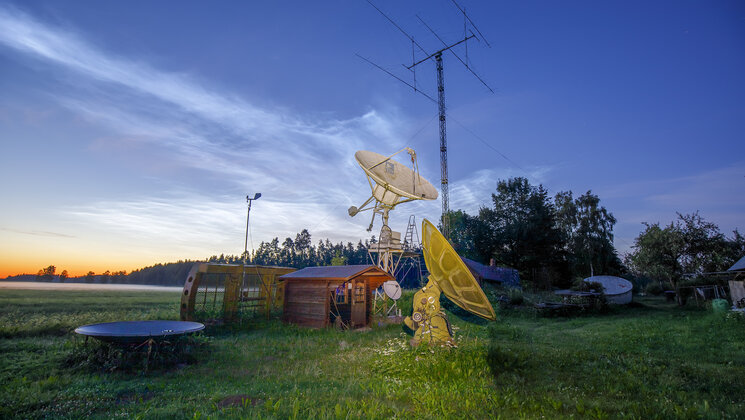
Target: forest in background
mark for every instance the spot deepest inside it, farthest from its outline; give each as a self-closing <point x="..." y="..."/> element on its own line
<point x="553" y="241"/>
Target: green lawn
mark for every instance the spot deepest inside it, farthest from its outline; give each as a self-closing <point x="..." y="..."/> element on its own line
<point x="654" y="360"/>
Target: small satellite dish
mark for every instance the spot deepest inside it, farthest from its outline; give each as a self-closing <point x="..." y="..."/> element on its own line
<point x="392" y="289"/>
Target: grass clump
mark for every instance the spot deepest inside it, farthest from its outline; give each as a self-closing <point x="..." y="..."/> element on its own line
<point x="148" y="356"/>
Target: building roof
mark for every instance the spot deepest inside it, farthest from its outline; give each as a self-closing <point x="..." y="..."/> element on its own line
<point x="480" y="269"/>
<point x="739" y="265"/>
<point x="340" y="272"/>
<point x="492" y="273"/>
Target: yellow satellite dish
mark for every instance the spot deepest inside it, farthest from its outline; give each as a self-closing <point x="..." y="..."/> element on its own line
<point x="451" y="275"/>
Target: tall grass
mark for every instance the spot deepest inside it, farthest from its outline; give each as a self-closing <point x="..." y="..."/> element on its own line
<point x="651" y="361"/>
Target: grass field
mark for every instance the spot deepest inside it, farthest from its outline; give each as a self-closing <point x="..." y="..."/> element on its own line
<point x="653" y="360"/>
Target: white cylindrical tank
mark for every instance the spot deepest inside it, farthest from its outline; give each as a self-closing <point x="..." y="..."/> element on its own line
<point x="616" y="289"/>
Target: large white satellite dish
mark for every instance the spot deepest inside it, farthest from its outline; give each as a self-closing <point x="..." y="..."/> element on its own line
<point x="392" y="289"/>
<point x="394" y="180"/>
<point x="391" y="184"/>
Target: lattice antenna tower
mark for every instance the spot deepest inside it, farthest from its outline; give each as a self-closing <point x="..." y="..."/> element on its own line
<point x="437" y="57"/>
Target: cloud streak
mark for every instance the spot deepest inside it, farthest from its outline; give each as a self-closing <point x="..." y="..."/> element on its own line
<point x="305" y="164"/>
<point x="186" y="114"/>
<point x="38" y="233"/>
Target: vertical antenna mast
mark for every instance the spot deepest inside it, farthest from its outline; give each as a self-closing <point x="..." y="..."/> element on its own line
<point x="440" y="94"/>
<point x="445" y="218"/>
<point x="443" y="149"/>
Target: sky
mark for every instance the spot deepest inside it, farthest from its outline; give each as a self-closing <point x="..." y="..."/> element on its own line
<point x="132" y="132"/>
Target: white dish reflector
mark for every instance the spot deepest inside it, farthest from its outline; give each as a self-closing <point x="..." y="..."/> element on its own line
<point x="393" y="180"/>
<point x="392" y="289"/>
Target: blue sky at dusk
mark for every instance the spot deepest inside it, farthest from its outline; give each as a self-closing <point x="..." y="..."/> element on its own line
<point x="131" y="132"/>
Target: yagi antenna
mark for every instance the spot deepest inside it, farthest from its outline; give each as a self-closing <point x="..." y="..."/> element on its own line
<point x="398" y="78"/>
<point x="465" y="63"/>
<point x="398" y="27"/>
<point x="465" y="16"/>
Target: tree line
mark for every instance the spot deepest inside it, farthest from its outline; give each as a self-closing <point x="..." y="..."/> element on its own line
<point x="297" y="253"/>
<point x="553" y="241"/>
<point x="687" y="248"/>
<point x="556" y="241"/>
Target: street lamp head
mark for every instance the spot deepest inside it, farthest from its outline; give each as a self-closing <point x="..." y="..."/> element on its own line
<point x="257" y="196"/>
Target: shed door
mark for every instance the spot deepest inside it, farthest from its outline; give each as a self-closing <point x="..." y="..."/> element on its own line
<point x="359" y="304"/>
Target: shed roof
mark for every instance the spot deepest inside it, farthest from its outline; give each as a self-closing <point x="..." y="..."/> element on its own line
<point x="340" y="272"/>
<point x="739" y="265"/>
<point x="492" y="273"/>
<point x="481" y="269"/>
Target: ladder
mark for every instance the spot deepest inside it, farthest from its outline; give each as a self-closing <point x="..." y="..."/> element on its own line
<point x="411" y="232"/>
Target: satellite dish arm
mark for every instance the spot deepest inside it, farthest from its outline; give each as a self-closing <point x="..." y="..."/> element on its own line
<point x="411" y="152"/>
<point x="354" y="209"/>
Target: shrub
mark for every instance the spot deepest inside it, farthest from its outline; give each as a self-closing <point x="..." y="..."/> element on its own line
<point x="654" y="288"/>
<point x="516" y="297"/>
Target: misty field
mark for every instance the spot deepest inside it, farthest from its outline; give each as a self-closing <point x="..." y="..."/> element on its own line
<point x="651" y="360"/>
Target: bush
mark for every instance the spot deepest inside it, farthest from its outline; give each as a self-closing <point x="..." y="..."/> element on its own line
<point x="516" y="297"/>
<point x="654" y="288"/>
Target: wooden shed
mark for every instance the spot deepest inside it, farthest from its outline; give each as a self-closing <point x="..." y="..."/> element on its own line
<point x="332" y="295"/>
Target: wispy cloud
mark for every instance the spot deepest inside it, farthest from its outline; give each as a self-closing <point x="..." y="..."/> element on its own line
<point x="198" y="226"/>
<point x="304" y="163"/>
<point x="474" y="191"/>
<point x="38" y="233"/>
<point x="179" y="110"/>
<point x="711" y="191"/>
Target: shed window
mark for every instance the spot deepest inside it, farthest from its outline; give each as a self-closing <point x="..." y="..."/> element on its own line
<point x="359" y="293"/>
<point x="341" y="294"/>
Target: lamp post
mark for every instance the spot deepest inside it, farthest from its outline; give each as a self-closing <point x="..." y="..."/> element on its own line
<point x="244" y="288"/>
<point x="248" y="214"/>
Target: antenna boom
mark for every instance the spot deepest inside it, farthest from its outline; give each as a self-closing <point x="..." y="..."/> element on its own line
<point x="471" y="22"/>
<point x="398" y="78"/>
<point x="456" y="55"/>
